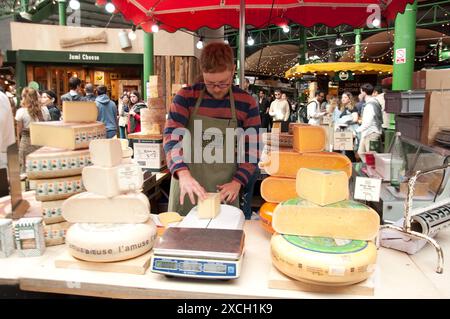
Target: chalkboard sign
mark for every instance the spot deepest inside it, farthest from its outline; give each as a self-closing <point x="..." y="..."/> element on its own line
<point x="353" y="86"/>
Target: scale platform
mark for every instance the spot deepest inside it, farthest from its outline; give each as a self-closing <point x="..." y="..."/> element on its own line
<point x="199" y="253"/>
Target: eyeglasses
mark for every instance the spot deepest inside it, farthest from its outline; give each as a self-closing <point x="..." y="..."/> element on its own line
<point x="219" y="85"/>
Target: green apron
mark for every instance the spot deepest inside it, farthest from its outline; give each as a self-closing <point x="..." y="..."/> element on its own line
<point x="208" y="175"/>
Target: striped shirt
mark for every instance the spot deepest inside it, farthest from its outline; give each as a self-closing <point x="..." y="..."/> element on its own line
<point x="182" y="108"/>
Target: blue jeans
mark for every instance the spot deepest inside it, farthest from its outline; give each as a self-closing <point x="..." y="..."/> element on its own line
<point x="122" y="133"/>
<point x="247" y="195"/>
<point x="111" y="134"/>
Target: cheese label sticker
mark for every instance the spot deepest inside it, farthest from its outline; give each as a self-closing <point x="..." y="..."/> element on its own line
<point x="26" y="234"/>
<point x="129" y="178"/>
<point x="326" y="245"/>
<point x="367" y="189"/>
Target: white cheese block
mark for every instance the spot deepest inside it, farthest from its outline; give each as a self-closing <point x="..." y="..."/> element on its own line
<point x="58" y="188"/>
<point x="323" y="261"/>
<point x="55" y="234"/>
<point x="6" y="237"/>
<point x="112" y="181"/>
<point x="106" y="152"/>
<point x="210" y="207"/>
<point x="92" y="208"/>
<point x="110" y="242"/>
<point x="79" y="111"/>
<point x="346" y="219"/>
<point x="70" y="136"/>
<point x="50" y="162"/>
<point x="52" y="212"/>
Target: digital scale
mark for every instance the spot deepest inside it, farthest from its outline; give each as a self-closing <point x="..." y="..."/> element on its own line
<point x="209" y="250"/>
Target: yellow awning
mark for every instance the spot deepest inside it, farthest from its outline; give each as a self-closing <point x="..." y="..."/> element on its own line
<point x="332" y="67"/>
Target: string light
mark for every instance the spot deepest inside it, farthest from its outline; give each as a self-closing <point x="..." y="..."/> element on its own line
<point x="155" y="27"/>
<point x="74" y="4"/>
<point x="110" y="7"/>
<point x="132" y="34"/>
<point x="199" y="44"/>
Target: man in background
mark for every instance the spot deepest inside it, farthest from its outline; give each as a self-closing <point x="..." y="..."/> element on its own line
<point x="90" y="95"/>
<point x="74" y="93"/>
<point x="107" y="111"/>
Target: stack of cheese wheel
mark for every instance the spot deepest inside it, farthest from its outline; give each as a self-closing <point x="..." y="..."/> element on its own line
<point x="112" y="217"/>
<point x="306" y="151"/>
<point x="54" y="170"/>
<point x="321" y="236"/>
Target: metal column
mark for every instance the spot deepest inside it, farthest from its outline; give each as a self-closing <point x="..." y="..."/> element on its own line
<point x="62" y="12"/>
<point x="148" y="61"/>
<point x="303" y="47"/>
<point x="357" y="45"/>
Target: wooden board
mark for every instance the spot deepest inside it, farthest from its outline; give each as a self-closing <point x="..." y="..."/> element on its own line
<point x="135" y="266"/>
<point x="277" y="280"/>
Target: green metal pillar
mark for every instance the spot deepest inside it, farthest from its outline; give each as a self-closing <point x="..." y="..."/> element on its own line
<point x="303" y="47"/>
<point x="62" y="12"/>
<point x="357" y="45"/>
<point x="404" y="48"/>
<point x="24" y="5"/>
<point x="148" y="61"/>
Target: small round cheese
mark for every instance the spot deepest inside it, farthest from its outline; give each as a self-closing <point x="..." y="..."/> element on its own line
<point x="110" y="242"/>
<point x="322" y="260"/>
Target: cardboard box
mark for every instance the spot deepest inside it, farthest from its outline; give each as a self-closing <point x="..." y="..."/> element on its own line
<point x="436" y="115"/>
<point x="431" y="79"/>
<point x="149" y="154"/>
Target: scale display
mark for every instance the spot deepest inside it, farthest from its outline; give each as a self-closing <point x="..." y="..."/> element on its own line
<point x="187" y="267"/>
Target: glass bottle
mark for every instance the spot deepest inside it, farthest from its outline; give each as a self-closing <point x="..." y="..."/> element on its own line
<point x="398" y="162"/>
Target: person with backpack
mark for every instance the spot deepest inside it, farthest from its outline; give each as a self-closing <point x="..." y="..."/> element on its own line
<point x="372" y="119"/>
<point x="73" y="94"/>
<point x="313" y="109"/>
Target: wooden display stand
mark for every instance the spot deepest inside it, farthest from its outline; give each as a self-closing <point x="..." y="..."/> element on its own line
<point x="135" y="266"/>
<point x="277" y="280"/>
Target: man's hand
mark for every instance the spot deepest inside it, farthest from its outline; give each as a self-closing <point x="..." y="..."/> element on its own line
<point x="229" y="191"/>
<point x="188" y="185"/>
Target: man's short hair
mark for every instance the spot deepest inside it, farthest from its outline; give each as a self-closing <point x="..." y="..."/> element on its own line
<point x="277" y="91"/>
<point x="101" y="89"/>
<point x="378" y="89"/>
<point x="264" y="92"/>
<point x="318" y="92"/>
<point x="217" y="57"/>
<point x="89" y="88"/>
<point x="367" y="88"/>
<point x="74" y="82"/>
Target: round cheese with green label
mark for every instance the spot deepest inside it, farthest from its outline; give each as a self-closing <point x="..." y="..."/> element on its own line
<point x="322" y="260"/>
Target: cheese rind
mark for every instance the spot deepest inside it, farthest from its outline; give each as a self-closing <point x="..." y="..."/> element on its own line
<point x="112" y="181"/>
<point x="58" y="188"/>
<point x="92" y="208"/>
<point x="70" y="136"/>
<point x="346" y="219"/>
<point x="323" y="261"/>
<point x="50" y="162"/>
<point x="309" y="138"/>
<point x="106" y="152"/>
<point x="55" y="234"/>
<point x="265" y="216"/>
<point x="79" y="111"/>
<point x="322" y="187"/>
<point x="210" y="207"/>
<point x="52" y="212"/>
<point x="110" y="242"/>
<point x="287" y="163"/>
<point x="277" y="189"/>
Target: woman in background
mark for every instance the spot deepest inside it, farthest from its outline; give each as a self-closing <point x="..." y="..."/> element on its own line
<point x="30" y="111"/>
<point x="48" y="99"/>
<point x="124" y="104"/>
<point x="134" y="116"/>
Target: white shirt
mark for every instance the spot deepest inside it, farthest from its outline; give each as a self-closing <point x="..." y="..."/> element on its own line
<point x="23" y="116"/>
<point x="313" y="112"/>
<point x="368" y="124"/>
<point x="279" y="110"/>
<point x="7" y="136"/>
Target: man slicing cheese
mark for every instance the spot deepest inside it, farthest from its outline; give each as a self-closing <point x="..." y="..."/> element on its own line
<point x="217" y="105"/>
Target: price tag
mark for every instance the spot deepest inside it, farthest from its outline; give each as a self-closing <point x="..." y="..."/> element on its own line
<point x="367" y="189"/>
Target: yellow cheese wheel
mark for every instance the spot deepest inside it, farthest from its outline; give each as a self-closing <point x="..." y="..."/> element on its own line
<point x="265" y="216"/>
<point x="278" y="189"/>
<point x="323" y="261"/>
<point x="286" y="164"/>
<point x="309" y="138"/>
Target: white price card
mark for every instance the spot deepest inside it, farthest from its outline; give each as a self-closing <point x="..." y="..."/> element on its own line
<point x="367" y="189"/>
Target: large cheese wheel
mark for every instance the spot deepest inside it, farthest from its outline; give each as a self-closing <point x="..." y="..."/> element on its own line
<point x="50" y="162"/>
<point x="322" y="187"/>
<point x="110" y="242"/>
<point x="309" y="138"/>
<point x="265" y="216"/>
<point x="286" y="164"/>
<point x="323" y="261"/>
<point x="278" y="189"/>
<point x="346" y="219"/>
<point x="92" y="208"/>
<point x="58" y="188"/>
<point x="55" y="234"/>
<point x="52" y="212"/>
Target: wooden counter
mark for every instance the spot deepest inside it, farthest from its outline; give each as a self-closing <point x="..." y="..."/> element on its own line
<point x="398" y="276"/>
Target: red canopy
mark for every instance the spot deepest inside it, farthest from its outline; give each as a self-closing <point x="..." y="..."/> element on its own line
<point x="194" y="14"/>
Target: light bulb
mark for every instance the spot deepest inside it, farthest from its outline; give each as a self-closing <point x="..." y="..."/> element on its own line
<point x="338" y="40"/>
<point x="110" y="7"/>
<point x="132" y="35"/>
<point x="285" y="28"/>
<point x="250" y="41"/>
<point x="376" y="22"/>
<point x="226" y="41"/>
<point x="74" y="4"/>
<point x="200" y="44"/>
<point x="155" y="28"/>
